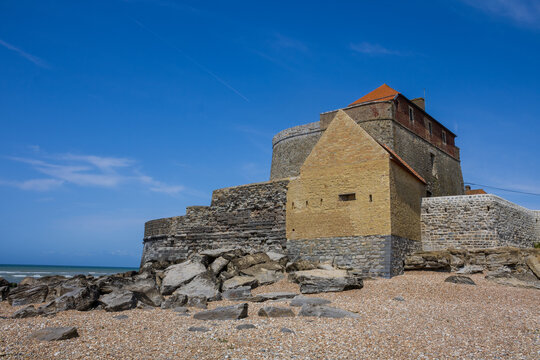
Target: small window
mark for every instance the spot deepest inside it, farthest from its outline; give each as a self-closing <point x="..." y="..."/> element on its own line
<point x="430" y="128"/>
<point x="411" y="115"/>
<point x="432" y="159"/>
<point x="370" y="198"/>
<point x="443" y="135"/>
<point x="347" y="197"/>
<point x="428" y="194"/>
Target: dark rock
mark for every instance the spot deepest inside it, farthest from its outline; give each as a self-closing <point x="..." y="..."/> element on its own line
<point x="120" y="317"/>
<point x="232" y="312"/>
<point x="301" y="265"/>
<point x="245" y="327"/>
<point x="238" y="281"/>
<point x="202" y="285"/>
<point x="287" y="330"/>
<point x="198" y="329"/>
<point x="4" y="293"/>
<point x="273" y="296"/>
<point x="118" y="300"/>
<point x="29" y="311"/>
<point x="81" y="299"/>
<point x="275" y="312"/>
<point x="55" y="334"/>
<point x="460" y="279"/>
<point x="46" y="280"/>
<point x="398" y="298"/>
<point x="174" y="300"/>
<point x="3" y="282"/>
<point x="304" y="300"/>
<point x="247" y="261"/>
<point x="326" y="311"/>
<point x="180" y="274"/>
<point x="28" y="294"/>
<point x="199" y="302"/>
<point x="317" y="281"/>
<point x="146" y="290"/>
<point x="240" y="293"/>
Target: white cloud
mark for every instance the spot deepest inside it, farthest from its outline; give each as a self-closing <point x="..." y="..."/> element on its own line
<point x="374" y="49"/>
<point x="34" y="59"/>
<point x="522" y="12"/>
<point x="34" y="184"/>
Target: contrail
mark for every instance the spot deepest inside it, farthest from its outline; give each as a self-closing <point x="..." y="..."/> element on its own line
<point x="37" y="61"/>
<point x="195" y="62"/>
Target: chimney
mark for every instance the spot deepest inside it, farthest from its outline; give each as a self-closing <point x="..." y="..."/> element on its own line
<point x="467" y="188"/>
<point x="420" y="102"/>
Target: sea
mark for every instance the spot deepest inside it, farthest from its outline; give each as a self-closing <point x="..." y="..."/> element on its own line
<point x="15" y="273"/>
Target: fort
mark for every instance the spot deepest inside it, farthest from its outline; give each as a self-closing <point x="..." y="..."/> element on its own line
<point x="362" y="188"/>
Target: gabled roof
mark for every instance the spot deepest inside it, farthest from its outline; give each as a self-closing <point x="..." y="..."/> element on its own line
<point x="475" y="192"/>
<point x="402" y="162"/>
<point x="383" y="92"/>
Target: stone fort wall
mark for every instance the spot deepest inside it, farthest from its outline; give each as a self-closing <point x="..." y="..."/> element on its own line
<point x="248" y="216"/>
<point x="477" y="221"/>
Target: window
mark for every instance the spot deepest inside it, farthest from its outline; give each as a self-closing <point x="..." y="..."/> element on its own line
<point x="443" y="135"/>
<point x="432" y="159"/>
<point x="428" y="194"/>
<point x="347" y="197"/>
<point x="430" y="128"/>
<point x="370" y="198"/>
<point x="411" y="115"/>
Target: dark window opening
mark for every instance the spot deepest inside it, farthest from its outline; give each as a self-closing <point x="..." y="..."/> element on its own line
<point x="428" y="193"/>
<point x="411" y="115"/>
<point x="306" y="203"/>
<point x="432" y="159"/>
<point x="370" y="198"/>
<point x="443" y="137"/>
<point x="293" y="204"/>
<point x="488" y="208"/>
<point x="430" y="128"/>
<point x="347" y="197"/>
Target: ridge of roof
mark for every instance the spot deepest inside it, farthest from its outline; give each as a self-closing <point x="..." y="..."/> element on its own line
<point x="403" y="163"/>
<point x="383" y="92"/>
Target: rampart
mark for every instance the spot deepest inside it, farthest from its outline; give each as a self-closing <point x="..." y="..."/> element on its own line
<point x="248" y="216"/>
<point x="477" y="221"/>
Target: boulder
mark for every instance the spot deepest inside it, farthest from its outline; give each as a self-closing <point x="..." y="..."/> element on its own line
<point x="219" y="264"/>
<point x="174" y="301"/>
<point x="240" y="293"/>
<point x="301" y="265"/>
<point x="26" y="312"/>
<point x="204" y="284"/>
<point x="326" y="312"/>
<point x="81" y="299"/>
<point x="237" y="281"/>
<point x="247" y="261"/>
<point x="470" y="269"/>
<point x="264" y="276"/>
<point x="317" y="281"/>
<point x="199" y="302"/>
<point x="233" y="312"/>
<point x="304" y="300"/>
<point x="179" y="274"/>
<point x="460" y="279"/>
<point x="281" y="259"/>
<point x="4" y="293"/>
<point x="55" y="334"/>
<point x="275" y="312"/>
<point x="533" y="262"/>
<point x="273" y="296"/>
<point x="119" y="300"/>
<point x="428" y="260"/>
<point x="28" y="294"/>
<point x="146" y="291"/>
<point x="216" y="253"/>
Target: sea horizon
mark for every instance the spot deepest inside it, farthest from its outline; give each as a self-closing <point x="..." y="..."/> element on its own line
<point x="16" y="272"/>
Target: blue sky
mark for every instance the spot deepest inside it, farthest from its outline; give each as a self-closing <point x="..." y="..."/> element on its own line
<point x="117" y="112"/>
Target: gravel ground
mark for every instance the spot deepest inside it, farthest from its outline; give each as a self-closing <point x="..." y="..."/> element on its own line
<point x="437" y="320"/>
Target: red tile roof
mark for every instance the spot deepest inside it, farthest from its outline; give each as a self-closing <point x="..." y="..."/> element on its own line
<point x="383" y="92"/>
<point x="402" y="162"/>
<point x="475" y="192"/>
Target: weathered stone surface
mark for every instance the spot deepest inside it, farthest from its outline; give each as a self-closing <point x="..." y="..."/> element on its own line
<point x="146" y="291"/>
<point x="232" y="312"/>
<point x="239" y="293"/>
<point x="174" y="300"/>
<point x="204" y="284"/>
<point x="118" y="300"/>
<point x="247" y="261"/>
<point x="216" y="253"/>
<point x="264" y="276"/>
<point x="81" y="299"/>
<point x="181" y="310"/>
<point x="55" y="334"/>
<point x="534" y="264"/>
<point x="275" y="312"/>
<point x="26" y="312"/>
<point x="199" y="302"/>
<point x="434" y="260"/>
<point x="198" y="329"/>
<point x="460" y="279"/>
<point x="273" y="296"/>
<point x="4" y="293"/>
<point x="527" y="281"/>
<point x="281" y="259"/>
<point x="317" y="281"/>
<point x="179" y="274"/>
<point x="470" y="269"/>
<point x="28" y="294"/>
<point x="301" y="265"/>
<point x="304" y="300"/>
<point x="219" y="264"/>
<point x="326" y="311"/>
<point x="245" y="327"/>
<point x="121" y="317"/>
<point x="237" y="281"/>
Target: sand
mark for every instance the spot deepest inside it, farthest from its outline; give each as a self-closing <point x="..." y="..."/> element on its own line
<point x="437" y="320"/>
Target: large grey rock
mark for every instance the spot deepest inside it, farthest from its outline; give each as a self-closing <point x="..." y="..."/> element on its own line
<point x="460" y="279"/>
<point x="26" y="312"/>
<point x="318" y="280"/>
<point x="199" y="302"/>
<point x="237" y="281"/>
<point x="244" y="262"/>
<point x="275" y="312"/>
<point x="55" y="334"/>
<point x="301" y="265"/>
<point x="304" y="300"/>
<point x="265" y="273"/>
<point x="174" y="301"/>
<point x="204" y="284"/>
<point x="527" y="281"/>
<point x="146" y="291"/>
<point x="219" y="264"/>
<point x="281" y="259"/>
<point x="240" y="293"/>
<point x="81" y="299"/>
<point x="273" y="296"/>
<point x="119" y="300"/>
<point x="326" y="311"/>
<point x="232" y="312"/>
<point x="179" y="274"/>
<point x="28" y="294"/>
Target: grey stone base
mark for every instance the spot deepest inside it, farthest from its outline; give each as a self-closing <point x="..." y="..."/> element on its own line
<point x="373" y="255"/>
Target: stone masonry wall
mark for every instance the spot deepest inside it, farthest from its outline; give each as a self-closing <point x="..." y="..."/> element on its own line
<point x="248" y="216"/>
<point x="476" y="221"/>
<point x="373" y="255"/>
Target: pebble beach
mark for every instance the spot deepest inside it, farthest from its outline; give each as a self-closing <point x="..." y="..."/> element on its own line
<point x="413" y="316"/>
